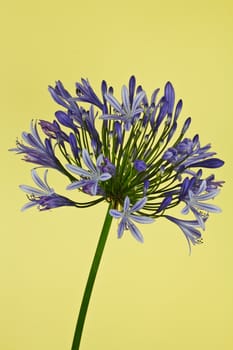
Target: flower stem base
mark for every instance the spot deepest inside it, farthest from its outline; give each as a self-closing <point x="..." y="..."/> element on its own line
<point x="90" y="281"/>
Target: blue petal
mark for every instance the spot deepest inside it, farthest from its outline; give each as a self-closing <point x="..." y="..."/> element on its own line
<point x="105" y="177"/>
<point x="76" y="184"/>
<point x="121" y="228"/>
<point x="77" y="170"/>
<point x="142" y="219"/>
<point x="139" y="205"/>
<point x="185" y="210"/>
<point x="115" y="213"/>
<point x="87" y="160"/>
<point x="135" y="231"/>
<point x="38" y="180"/>
<point x="208" y="195"/>
<point x="31" y="190"/>
<point x="208" y="207"/>
<point x="93" y="188"/>
<point x="29" y="205"/>
<point x="113" y="102"/>
<point x="128" y="124"/>
<point x="110" y="117"/>
<point x="125" y="98"/>
<point x="137" y="101"/>
<point x="99" y="160"/>
<point x="126" y="204"/>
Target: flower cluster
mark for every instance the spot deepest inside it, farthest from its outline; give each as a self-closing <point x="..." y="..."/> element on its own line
<point x="124" y="152"/>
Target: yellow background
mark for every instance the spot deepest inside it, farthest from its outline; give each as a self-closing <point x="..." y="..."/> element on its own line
<point x="151" y="296"/>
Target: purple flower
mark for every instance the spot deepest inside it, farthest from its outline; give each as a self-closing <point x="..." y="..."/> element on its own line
<point x="63" y="98"/>
<point x="89" y="178"/>
<point x="194" y="195"/>
<point x="44" y="196"/>
<point x="188" y="154"/>
<point x="189" y="228"/>
<point x="66" y="120"/>
<point x="53" y="130"/>
<point x="129" y="111"/>
<point x="37" y="152"/>
<point x="212" y="184"/>
<point x="127" y="217"/>
<point x="85" y="93"/>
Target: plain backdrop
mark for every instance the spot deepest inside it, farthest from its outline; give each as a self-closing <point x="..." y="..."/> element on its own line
<point x="150" y="296"/>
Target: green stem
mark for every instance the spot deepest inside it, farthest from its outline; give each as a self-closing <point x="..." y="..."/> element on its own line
<point x="91" y="280"/>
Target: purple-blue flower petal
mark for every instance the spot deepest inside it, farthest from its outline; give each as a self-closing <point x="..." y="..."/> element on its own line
<point x="76" y="184"/>
<point x="139" y="205"/>
<point x="135" y="231"/>
<point x="115" y="213"/>
<point x="126" y="204"/>
<point x="105" y="177"/>
<point x="121" y="228"/>
<point x="77" y="170"/>
<point x="39" y="182"/>
<point x="125" y="99"/>
<point x="142" y="219"/>
<point x="137" y="101"/>
<point x="87" y="160"/>
<point x="113" y="102"/>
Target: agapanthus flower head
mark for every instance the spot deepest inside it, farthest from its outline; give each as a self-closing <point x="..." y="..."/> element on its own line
<point x="127" y="151"/>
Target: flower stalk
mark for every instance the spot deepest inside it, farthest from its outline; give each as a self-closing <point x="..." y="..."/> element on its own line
<point x="91" y="280"/>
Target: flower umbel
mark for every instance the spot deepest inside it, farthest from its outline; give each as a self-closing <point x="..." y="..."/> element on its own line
<point x="125" y="152"/>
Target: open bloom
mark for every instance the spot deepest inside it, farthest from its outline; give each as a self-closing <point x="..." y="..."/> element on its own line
<point x="189" y="228"/>
<point x="127" y="152"/>
<point x="91" y="177"/>
<point x="127" y="217"/>
<point x="37" y="151"/>
<point x="195" y="198"/>
<point x="128" y="111"/>
<point x="44" y="196"/>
